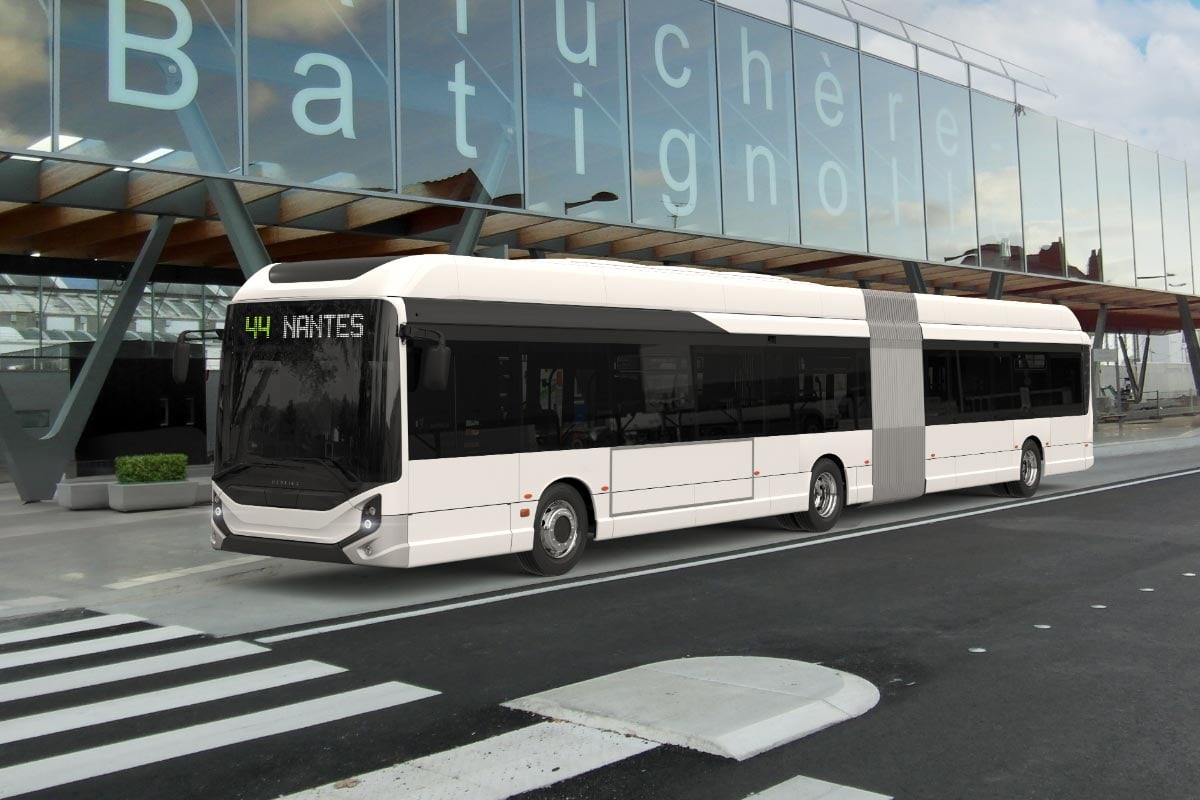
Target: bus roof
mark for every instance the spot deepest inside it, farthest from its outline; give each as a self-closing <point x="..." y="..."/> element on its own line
<point x="592" y="282"/>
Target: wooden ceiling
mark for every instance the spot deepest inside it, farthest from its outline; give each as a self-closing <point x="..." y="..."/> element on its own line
<point x="84" y="212"/>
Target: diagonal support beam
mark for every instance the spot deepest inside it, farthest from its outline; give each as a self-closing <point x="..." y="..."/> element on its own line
<point x="1101" y="325"/>
<point x="916" y="281"/>
<point x="36" y="465"/>
<point x="996" y="286"/>
<point x="1189" y="337"/>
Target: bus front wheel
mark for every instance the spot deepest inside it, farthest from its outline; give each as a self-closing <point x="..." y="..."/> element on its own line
<point x="826" y="500"/>
<point x="560" y="532"/>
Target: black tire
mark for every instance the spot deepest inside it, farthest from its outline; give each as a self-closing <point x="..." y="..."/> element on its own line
<point x="826" y="500"/>
<point x="1032" y="468"/>
<point x="559" y="547"/>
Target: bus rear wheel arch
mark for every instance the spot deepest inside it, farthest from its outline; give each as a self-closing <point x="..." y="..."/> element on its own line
<point x="561" y="528"/>
<point x="826" y="499"/>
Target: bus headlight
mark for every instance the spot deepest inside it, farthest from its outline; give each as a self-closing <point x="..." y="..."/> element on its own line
<point x="218" y="516"/>
<point x="372" y="513"/>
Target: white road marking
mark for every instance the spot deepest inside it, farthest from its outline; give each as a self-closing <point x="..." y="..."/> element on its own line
<point x="131" y="583"/>
<point x="703" y="562"/>
<point x="492" y="769"/>
<point x="41" y="655"/>
<point x="802" y="788"/>
<point x="64" y="628"/>
<point x="55" y="771"/>
<point x="69" y="719"/>
<point x="29" y="602"/>
<point x="137" y="668"/>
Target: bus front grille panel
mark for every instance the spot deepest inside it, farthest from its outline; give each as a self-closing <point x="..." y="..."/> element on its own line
<point x="897" y="396"/>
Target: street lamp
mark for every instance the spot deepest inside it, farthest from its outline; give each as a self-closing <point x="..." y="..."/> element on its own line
<point x="598" y="197"/>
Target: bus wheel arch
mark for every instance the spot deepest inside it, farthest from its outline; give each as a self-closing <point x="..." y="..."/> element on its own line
<point x="585" y="494"/>
<point x="561" y="528"/>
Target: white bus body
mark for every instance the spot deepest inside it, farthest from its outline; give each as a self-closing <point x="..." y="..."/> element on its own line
<point x="719" y="393"/>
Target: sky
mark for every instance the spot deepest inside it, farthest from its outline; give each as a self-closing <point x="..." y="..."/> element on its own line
<point x="1128" y="68"/>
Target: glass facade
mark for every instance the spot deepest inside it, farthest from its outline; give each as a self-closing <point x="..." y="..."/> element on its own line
<point x="761" y="120"/>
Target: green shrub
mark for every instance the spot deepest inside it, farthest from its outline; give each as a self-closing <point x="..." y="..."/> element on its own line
<point x="151" y="468"/>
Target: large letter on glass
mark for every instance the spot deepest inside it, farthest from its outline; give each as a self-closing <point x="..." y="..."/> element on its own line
<point x="25" y="83"/>
<point x="152" y="82"/>
<point x="1041" y="194"/>
<point x="1147" y="219"/>
<point x="577" y="119"/>
<point x="997" y="182"/>
<point x="949" y="172"/>
<point x="460" y="100"/>
<point x="1116" y="213"/>
<point x="1081" y="203"/>
<point x="892" y="137"/>
<point x="758" y="129"/>
<point x="829" y="124"/>
<point x="1177" y="244"/>
<point x="321" y="93"/>
<point x="672" y="68"/>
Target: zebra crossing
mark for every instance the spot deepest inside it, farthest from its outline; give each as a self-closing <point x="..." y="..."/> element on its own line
<point x="45" y="696"/>
<point x="121" y="640"/>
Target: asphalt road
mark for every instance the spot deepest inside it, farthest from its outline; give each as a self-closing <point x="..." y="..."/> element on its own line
<point x="1101" y="704"/>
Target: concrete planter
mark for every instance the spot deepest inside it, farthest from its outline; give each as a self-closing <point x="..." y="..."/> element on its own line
<point x="81" y="495"/>
<point x="151" y="496"/>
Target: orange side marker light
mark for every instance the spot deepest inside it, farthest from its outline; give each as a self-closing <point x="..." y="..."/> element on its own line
<point x="524" y="512"/>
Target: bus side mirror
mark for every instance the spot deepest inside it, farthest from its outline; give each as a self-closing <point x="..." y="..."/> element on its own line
<point x="435" y="368"/>
<point x="181" y="359"/>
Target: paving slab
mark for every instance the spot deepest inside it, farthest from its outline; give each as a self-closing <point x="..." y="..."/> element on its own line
<point x="736" y="707"/>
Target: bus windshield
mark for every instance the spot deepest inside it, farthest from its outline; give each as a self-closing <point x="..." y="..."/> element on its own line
<point x="309" y="411"/>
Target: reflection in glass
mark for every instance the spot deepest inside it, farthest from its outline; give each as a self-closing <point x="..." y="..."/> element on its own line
<point x="1116" y="213"/>
<point x="758" y="131"/>
<point x="578" y="129"/>
<point x="1177" y="245"/>
<point x="460" y="98"/>
<point x="177" y="107"/>
<point x="1194" y="205"/>
<point x="892" y="142"/>
<point x="1041" y="194"/>
<point x="25" y="89"/>
<point x="997" y="183"/>
<point x="1081" y="204"/>
<point x="672" y="63"/>
<point x="1147" y="219"/>
<point x="320" y="94"/>
<point x="829" y="126"/>
<point x="949" y="172"/>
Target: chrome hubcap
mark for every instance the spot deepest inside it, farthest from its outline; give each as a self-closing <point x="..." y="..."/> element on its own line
<point x="1029" y="468"/>
<point x="558" y="529"/>
<point x="825" y="494"/>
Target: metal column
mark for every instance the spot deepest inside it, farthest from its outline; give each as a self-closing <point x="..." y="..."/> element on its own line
<point x="996" y="286"/>
<point x="1189" y="336"/>
<point x="36" y="465"/>
<point x="916" y="281"/>
<point x="1101" y="324"/>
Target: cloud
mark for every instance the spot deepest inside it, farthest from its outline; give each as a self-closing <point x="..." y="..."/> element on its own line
<point x="1130" y="69"/>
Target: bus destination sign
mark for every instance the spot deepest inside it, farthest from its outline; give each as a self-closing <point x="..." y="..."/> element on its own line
<point x="305" y="326"/>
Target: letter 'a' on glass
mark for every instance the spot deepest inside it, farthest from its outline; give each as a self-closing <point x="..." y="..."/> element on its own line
<point x="1116" y="211"/>
<point x="151" y="83"/>
<point x="576" y="109"/>
<point x="997" y="183"/>
<point x="460" y="100"/>
<point x="673" y="93"/>
<point x="25" y="95"/>
<point x="758" y="129"/>
<point x="320" y="95"/>
<point x="829" y="133"/>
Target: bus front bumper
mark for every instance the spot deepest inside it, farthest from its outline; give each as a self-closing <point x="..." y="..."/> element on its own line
<point x="385" y="547"/>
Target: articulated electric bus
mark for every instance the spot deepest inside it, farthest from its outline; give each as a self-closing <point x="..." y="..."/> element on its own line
<point x="412" y="411"/>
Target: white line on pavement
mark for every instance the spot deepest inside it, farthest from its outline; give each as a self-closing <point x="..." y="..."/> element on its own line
<point x="491" y="769"/>
<point x="640" y="573"/>
<point x="69" y="719"/>
<point x="137" y="668"/>
<point x="23" y="658"/>
<point x="29" y="602"/>
<point x="65" y="628"/>
<point x="802" y="788"/>
<point x="55" y="771"/>
<point x="131" y="583"/>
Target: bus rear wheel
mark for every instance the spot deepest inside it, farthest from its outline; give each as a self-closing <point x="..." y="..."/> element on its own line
<point x="560" y="532"/>
<point x="826" y="500"/>
<point x="1032" y="467"/>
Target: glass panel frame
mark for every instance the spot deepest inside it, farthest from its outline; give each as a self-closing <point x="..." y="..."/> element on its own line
<point x="1177" y="244"/>
<point x="997" y="183"/>
<point x="951" y="228"/>
<point x="1081" y="201"/>
<point x="1146" y="195"/>
<point x="1041" y="194"/>
<point x="892" y="155"/>
<point x="1116" y="211"/>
